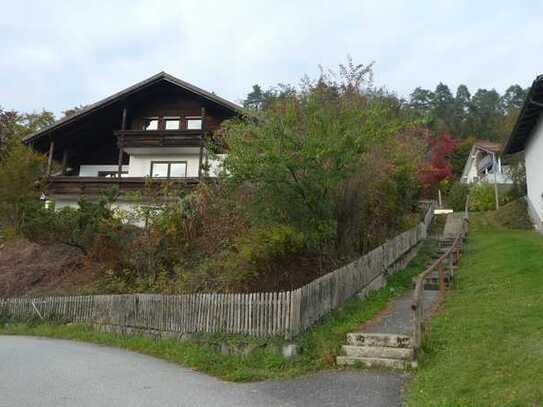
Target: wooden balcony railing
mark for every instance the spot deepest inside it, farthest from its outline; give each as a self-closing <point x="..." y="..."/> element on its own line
<point x="159" y="138"/>
<point x="95" y="186"/>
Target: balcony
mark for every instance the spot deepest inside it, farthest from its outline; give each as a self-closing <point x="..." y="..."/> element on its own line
<point x="94" y="186"/>
<point x="159" y="138"/>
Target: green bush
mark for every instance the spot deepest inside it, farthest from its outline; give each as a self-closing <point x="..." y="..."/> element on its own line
<point x="21" y="170"/>
<point x="257" y="251"/>
<point x="482" y="198"/>
<point x="75" y="226"/>
<point x="457" y="196"/>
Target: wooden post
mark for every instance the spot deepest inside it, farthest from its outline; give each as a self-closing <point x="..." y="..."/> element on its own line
<point x="200" y="160"/>
<point x="451" y="266"/>
<point x="121" y="145"/>
<point x="206" y="172"/>
<point x="50" y="158"/>
<point x="441" y="278"/>
<point x="64" y="161"/>
<point x="203" y="114"/>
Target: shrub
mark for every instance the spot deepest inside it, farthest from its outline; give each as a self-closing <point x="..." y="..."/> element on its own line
<point x="257" y="252"/>
<point x="482" y="197"/>
<point x="457" y="196"/>
<point x="20" y="172"/>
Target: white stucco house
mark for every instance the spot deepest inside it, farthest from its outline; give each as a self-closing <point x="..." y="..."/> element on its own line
<point x="527" y="136"/>
<point x="484" y="164"/>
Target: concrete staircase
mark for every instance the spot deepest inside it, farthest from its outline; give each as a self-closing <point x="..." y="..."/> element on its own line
<point x="431" y="282"/>
<point x="386" y="342"/>
<point x="453" y="225"/>
<point x="377" y="350"/>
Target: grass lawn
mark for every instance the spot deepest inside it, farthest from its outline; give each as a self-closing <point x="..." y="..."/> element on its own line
<point x="486" y="346"/>
<point x="318" y="347"/>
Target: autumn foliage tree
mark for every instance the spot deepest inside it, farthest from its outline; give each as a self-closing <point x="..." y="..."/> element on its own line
<point x="437" y="167"/>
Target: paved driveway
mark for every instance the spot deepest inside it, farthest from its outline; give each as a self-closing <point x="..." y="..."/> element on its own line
<point x="48" y="372"/>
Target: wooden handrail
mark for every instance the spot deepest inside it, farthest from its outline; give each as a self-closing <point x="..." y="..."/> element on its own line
<point x="452" y="254"/>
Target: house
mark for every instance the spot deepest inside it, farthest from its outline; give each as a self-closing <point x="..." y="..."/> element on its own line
<point x="485" y="165"/>
<point x="527" y="137"/>
<point x="150" y="133"/>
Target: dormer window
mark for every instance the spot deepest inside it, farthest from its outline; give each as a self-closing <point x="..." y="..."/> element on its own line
<point x="194" y="123"/>
<point x="150" y="123"/>
<point x="172" y="123"/>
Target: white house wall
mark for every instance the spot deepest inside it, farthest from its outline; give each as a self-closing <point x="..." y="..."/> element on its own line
<point x="472" y="173"/>
<point x="140" y="162"/>
<point x="534" y="172"/>
<point x="140" y="165"/>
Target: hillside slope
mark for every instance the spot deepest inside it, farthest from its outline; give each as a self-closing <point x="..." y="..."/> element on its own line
<point x="485" y="348"/>
<point x="30" y="268"/>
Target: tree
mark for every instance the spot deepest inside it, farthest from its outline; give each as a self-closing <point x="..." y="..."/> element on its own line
<point x="513" y="98"/>
<point x="9" y="127"/>
<point x="485" y="114"/>
<point x="258" y="100"/>
<point x="422" y="100"/>
<point x="443" y="106"/>
<point x="254" y="99"/>
<point x="74" y="110"/>
<point x="462" y="101"/>
<point x="21" y="170"/>
<point x="437" y="167"/>
<point x="15" y="125"/>
<point x="300" y="153"/>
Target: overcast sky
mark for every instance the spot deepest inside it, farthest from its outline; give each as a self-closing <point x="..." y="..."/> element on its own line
<point x="57" y="54"/>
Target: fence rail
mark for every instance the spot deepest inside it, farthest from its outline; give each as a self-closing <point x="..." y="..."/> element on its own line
<point x="256" y="314"/>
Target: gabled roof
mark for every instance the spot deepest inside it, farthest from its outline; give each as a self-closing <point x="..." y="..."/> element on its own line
<point x="488" y="146"/>
<point x="484" y="145"/>
<point x="528" y="118"/>
<point x="159" y="77"/>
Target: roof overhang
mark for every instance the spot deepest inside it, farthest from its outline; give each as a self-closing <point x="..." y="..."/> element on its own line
<point x="527" y="120"/>
<point x="153" y="80"/>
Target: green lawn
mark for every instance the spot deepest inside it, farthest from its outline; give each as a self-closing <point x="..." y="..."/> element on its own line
<point x="318" y="347"/>
<point x="486" y="346"/>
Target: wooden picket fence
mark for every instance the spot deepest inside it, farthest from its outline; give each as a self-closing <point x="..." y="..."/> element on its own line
<point x="257" y="314"/>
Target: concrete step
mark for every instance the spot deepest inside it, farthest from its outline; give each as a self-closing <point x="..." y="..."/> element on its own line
<point x="374" y="362"/>
<point x="373" y="339"/>
<point x="381" y="352"/>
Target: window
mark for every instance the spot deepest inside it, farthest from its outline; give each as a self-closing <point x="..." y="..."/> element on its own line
<point x="172" y="123"/>
<point x="178" y="170"/>
<point x="150" y="123"/>
<point x="194" y="123"/>
<point x="168" y="169"/>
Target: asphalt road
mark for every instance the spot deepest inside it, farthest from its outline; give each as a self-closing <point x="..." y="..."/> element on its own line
<point x="48" y="372"/>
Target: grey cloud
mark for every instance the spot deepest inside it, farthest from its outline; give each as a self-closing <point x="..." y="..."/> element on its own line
<point x="58" y="54"/>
